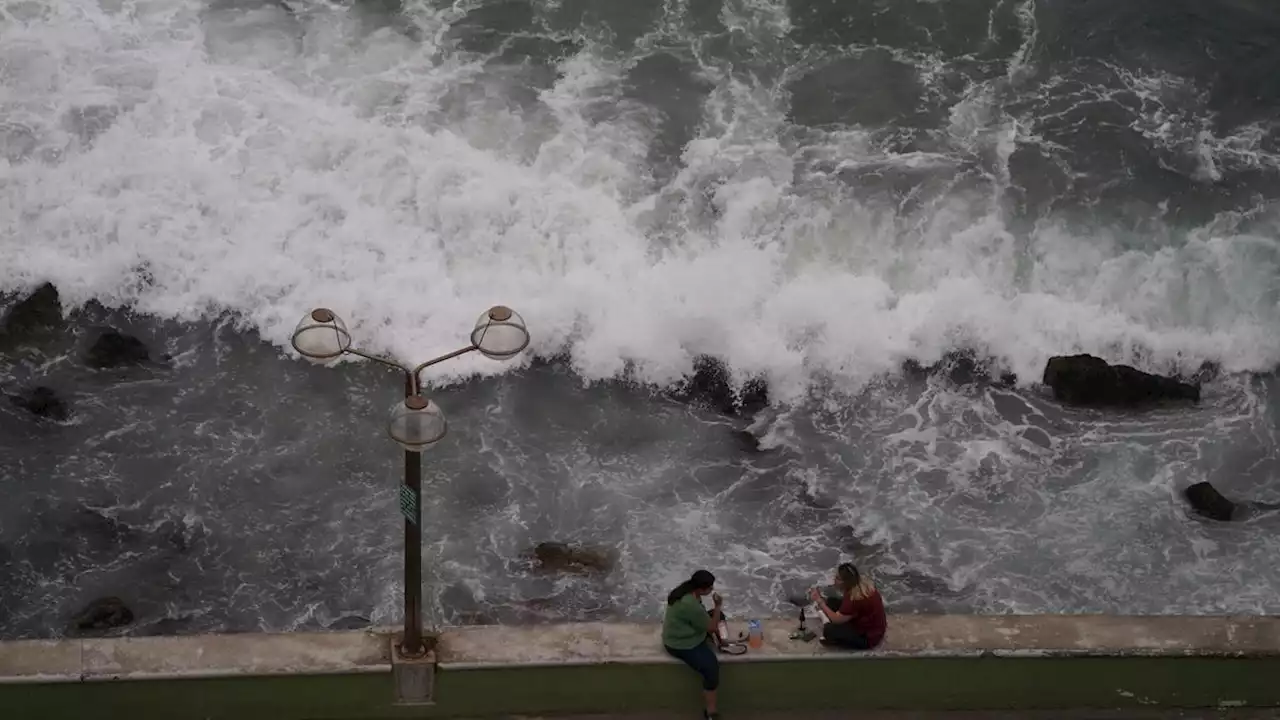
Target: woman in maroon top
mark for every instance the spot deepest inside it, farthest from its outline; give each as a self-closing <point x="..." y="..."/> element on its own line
<point x="855" y="619"/>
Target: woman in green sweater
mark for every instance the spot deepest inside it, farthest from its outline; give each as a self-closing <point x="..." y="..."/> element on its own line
<point x="687" y="628"/>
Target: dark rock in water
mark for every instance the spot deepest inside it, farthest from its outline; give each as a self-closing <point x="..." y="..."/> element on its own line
<point x="1207" y="501"/>
<point x="748" y="441"/>
<point x="458" y="598"/>
<point x="564" y="557"/>
<point x="1208" y="372"/>
<point x="963" y="370"/>
<point x="461" y="605"/>
<point x="711" y="386"/>
<point x="115" y="349"/>
<point x="962" y="367"/>
<point x="99" y="530"/>
<point x="42" y="402"/>
<point x="41" y="310"/>
<point x="1087" y="380"/>
<point x="180" y="536"/>
<point x="103" y="614"/>
<point x="349" y="622"/>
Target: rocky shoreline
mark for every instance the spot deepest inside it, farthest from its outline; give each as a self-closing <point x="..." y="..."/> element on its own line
<point x="1079" y="380"/>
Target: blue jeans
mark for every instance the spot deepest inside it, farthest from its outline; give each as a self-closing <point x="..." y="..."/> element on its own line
<point x="703" y="660"/>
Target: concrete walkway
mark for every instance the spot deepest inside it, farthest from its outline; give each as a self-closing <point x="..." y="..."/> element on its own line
<point x="480" y="647"/>
<point x="927" y="662"/>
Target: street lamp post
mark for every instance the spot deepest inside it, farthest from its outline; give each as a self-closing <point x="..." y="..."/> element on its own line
<point x="416" y="423"/>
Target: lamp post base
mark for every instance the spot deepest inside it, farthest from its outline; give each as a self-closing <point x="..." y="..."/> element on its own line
<point x="414" y="677"/>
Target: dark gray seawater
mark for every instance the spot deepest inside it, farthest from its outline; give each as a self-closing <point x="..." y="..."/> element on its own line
<point x="816" y="191"/>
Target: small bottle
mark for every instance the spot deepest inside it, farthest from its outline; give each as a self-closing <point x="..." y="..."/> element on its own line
<point x="755" y="634"/>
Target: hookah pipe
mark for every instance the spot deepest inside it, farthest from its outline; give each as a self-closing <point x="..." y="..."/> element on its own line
<point x="801" y="633"/>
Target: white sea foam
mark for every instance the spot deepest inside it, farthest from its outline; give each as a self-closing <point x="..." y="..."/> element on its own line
<point x="192" y="163"/>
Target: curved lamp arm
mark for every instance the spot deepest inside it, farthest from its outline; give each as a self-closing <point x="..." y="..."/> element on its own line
<point x="499" y="334"/>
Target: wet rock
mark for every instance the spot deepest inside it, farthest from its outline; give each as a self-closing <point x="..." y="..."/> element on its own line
<point x="1207" y="373"/>
<point x="1090" y="381"/>
<point x="1207" y="501"/>
<point x="115" y="349"/>
<point x="181" y="535"/>
<point x="41" y="310"/>
<point x="963" y="367"/>
<point x="461" y="606"/>
<point x="711" y="386"/>
<point x="103" y="614"/>
<point x="748" y="441"/>
<point x="99" y="530"/>
<point x="571" y="558"/>
<point x="457" y="597"/>
<point x="349" y="622"/>
<point x="42" y="402"/>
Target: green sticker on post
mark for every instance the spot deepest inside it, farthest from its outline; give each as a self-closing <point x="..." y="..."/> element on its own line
<point x="409" y="504"/>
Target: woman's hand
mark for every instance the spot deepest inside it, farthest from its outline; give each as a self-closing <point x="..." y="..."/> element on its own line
<point x="815" y="595"/>
<point x="717" y="600"/>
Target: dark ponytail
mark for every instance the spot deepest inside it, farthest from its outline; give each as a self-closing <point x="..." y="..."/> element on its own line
<point x="701" y="580"/>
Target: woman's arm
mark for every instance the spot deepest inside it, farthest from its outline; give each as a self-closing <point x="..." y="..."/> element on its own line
<point x="831" y="615"/>
<point x="713" y="622"/>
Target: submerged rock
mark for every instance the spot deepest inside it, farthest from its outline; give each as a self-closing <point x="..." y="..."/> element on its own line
<point x="565" y="557"/>
<point x="1207" y="501"/>
<point x="1091" y="381"/>
<point x="461" y="606"/>
<point x="103" y="614"/>
<point x="747" y="440"/>
<point x="711" y="386"/>
<point x="349" y="622"/>
<point x="180" y="535"/>
<point x="115" y="349"/>
<point x="42" y="402"/>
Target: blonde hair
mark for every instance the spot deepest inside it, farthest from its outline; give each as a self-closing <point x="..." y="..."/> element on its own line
<point x="856" y="585"/>
<point x="863" y="589"/>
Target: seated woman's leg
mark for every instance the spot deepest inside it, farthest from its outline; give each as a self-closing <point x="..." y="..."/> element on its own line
<point x="844" y="635"/>
<point x="704" y="661"/>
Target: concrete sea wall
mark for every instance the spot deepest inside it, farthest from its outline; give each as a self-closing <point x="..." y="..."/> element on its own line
<point x="927" y="663"/>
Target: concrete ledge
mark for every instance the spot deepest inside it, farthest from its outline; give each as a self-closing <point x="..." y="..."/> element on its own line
<point x="909" y="636"/>
<point x="197" y="656"/>
<point x="927" y="663"/>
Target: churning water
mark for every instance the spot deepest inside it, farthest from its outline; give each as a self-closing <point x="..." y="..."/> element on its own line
<point x="816" y="191"/>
